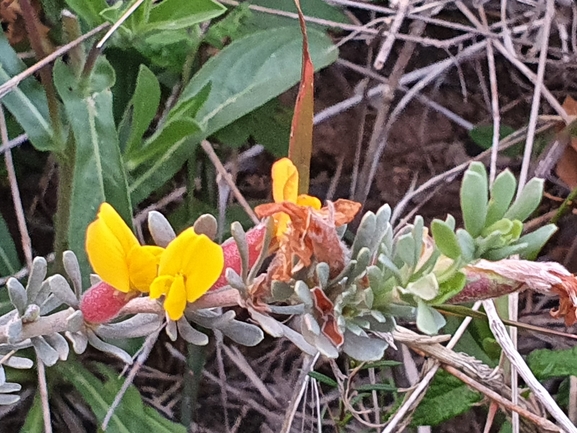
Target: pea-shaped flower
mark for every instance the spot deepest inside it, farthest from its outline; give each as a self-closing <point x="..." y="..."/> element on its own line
<point x="188" y="267"/>
<point x="116" y="255"/>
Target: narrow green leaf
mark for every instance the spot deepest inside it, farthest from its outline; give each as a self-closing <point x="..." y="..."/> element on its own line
<point x="141" y="109"/>
<point x="34" y="418"/>
<point x="27" y="102"/>
<point x="376" y="387"/>
<point x="474" y="200"/>
<point x="445" y="239"/>
<point x="502" y="193"/>
<point x="527" y="201"/>
<point x="244" y="75"/>
<point x="323" y="379"/>
<point x="98" y="173"/>
<point x="9" y="262"/>
<point x="175" y="14"/>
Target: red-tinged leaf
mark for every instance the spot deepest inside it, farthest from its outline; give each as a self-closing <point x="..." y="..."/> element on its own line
<point x="301" y="138"/>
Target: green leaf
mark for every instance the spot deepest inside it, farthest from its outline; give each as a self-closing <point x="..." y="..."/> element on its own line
<point x="323" y="379"/>
<point x="27" y="102"/>
<point x="176" y="14"/>
<point x="474" y="199"/>
<point x="527" y="201"/>
<point x="536" y="240"/>
<point x="467" y="245"/>
<point x="405" y="250"/>
<point x="376" y="387"/>
<point x="483" y="136"/>
<point x="502" y="193"/>
<point x="9" y="262"/>
<point x="446" y="398"/>
<point x="450" y="288"/>
<point x="547" y="364"/>
<point x="130" y="416"/>
<point x="140" y="110"/>
<point x="429" y="320"/>
<point x="98" y="174"/>
<point x="244" y="75"/>
<point x="445" y="239"/>
<point x="268" y="125"/>
<point x="88" y="10"/>
<point x="34" y="418"/>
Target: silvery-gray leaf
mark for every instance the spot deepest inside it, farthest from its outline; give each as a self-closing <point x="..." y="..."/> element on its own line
<point x="341" y="230"/>
<point x="298" y="340"/>
<point x="281" y="291"/>
<point x="36" y="277"/>
<point x="14" y="330"/>
<point x="304" y="293"/>
<point x="387" y="326"/>
<point x="7" y="387"/>
<point x="236" y="281"/>
<point x="43" y="293"/>
<point x="45" y="351"/>
<point x="362" y="261"/>
<point x="206" y="225"/>
<point x="429" y="320"/>
<point x="309" y="322"/>
<point x="61" y="289"/>
<point x="51" y="303"/>
<point x="72" y="268"/>
<point x="8" y="399"/>
<point x="287" y="309"/>
<point x="366" y="233"/>
<point x="2" y="375"/>
<point x="239" y="236"/>
<point x="322" y="270"/>
<point x="210" y="318"/>
<point x="75" y="321"/>
<point x="171" y="330"/>
<point x="191" y="335"/>
<point x="9" y="347"/>
<point x="264" y="252"/>
<point x="320" y="342"/>
<point x="108" y="348"/>
<point x="94" y="279"/>
<point x="138" y="325"/>
<point x="31" y="314"/>
<point x="354" y="328"/>
<point x="269" y="325"/>
<point x="17" y="294"/>
<point x="79" y="341"/>
<point x="8" y="317"/>
<point x="243" y="333"/>
<point x="59" y="343"/>
<point x="379" y="317"/>
<point x="19" y="363"/>
<point x="363" y="348"/>
<point x="160" y="229"/>
<point x="368" y="297"/>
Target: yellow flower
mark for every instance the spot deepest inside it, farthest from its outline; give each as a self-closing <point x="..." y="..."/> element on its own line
<point x="285" y="183"/>
<point x="116" y="256"/>
<point x="188" y="267"/>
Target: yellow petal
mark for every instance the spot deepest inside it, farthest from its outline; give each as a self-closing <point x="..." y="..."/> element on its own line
<point x="175" y="301"/>
<point x="118" y="227"/>
<point x="143" y="266"/>
<point x="285" y="181"/>
<point x="309" y="200"/>
<point x="160" y="286"/>
<point x="107" y="255"/>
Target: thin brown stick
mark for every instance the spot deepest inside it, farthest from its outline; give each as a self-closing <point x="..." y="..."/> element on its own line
<point x="43" y="388"/>
<point x="17" y="201"/>
<point x="543" y="423"/>
<point x="207" y="147"/>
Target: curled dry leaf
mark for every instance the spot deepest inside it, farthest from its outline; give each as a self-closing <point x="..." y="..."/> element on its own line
<point x="506" y="276"/>
<point x="310" y="233"/>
